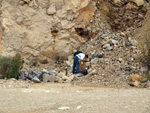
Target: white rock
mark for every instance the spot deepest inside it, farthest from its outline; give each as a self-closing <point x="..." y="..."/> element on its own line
<point x="45" y="71"/>
<point x="106" y="46"/>
<point x="79" y="107"/>
<point x="52" y="9"/>
<point x="84" y="3"/>
<point x="48" y="78"/>
<point x="136" y="83"/>
<point x="64" y="23"/>
<point x="63" y="108"/>
<point x="68" y="63"/>
<point x="117" y="1"/>
<point x="36" y="80"/>
<point x="109" y="48"/>
<point x="113" y="41"/>
<point x="138" y="2"/>
<point x="120" y="59"/>
<point x="122" y="34"/>
<point x="63" y="76"/>
<point x="134" y="42"/>
<point x="75" y="3"/>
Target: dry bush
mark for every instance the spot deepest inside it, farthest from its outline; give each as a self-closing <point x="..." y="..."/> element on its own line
<point x="10" y="67"/>
<point x="60" y="57"/>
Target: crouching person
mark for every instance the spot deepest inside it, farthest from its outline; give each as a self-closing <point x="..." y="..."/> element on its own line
<point x="77" y="61"/>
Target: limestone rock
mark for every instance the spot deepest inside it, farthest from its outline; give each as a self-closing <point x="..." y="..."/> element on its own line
<point x="48" y="78"/>
<point x="52" y="9"/>
<point x="63" y="76"/>
<point x="117" y="1"/>
<point x="136" y="83"/>
<point x="112" y="41"/>
<point x="138" y="2"/>
<point x="138" y="78"/>
<point x="59" y="80"/>
<point x="106" y="46"/>
<point x="36" y="80"/>
<point x="43" y="3"/>
<point x="64" y="23"/>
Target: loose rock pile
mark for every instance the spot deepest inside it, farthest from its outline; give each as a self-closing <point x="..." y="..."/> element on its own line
<point x="47" y="76"/>
<point x="113" y="58"/>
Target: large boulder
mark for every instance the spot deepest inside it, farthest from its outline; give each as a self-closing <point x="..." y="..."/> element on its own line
<point x="48" y="78"/>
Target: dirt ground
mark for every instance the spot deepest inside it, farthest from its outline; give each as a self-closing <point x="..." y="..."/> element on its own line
<point x="26" y="97"/>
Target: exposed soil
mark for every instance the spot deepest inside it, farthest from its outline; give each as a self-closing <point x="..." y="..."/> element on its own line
<point x="27" y="97"/>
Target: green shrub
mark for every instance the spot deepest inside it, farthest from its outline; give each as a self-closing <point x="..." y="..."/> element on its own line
<point x="5" y="66"/>
<point x="10" y="67"/>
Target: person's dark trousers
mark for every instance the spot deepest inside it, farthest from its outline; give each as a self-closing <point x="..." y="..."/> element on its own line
<point x="76" y="65"/>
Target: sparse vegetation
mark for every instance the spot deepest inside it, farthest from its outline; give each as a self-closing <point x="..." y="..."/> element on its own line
<point x="60" y="57"/>
<point x="10" y="67"/>
<point x="35" y="63"/>
<point x="45" y="61"/>
<point x="147" y="55"/>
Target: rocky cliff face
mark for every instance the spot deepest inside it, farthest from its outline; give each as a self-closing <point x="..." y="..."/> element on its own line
<point x="26" y="25"/>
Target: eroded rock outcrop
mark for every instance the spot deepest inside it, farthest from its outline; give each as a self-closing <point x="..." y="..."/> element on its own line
<point x="27" y="26"/>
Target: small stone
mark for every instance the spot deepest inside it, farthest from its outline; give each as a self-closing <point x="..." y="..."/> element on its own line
<point x="36" y="80"/>
<point x="72" y="77"/>
<point x="63" y="76"/>
<point x="63" y="108"/>
<point x="122" y="34"/>
<point x="79" y="74"/>
<point x="136" y="83"/>
<point x="120" y="59"/>
<point x="112" y="41"/>
<point x="51" y="10"/>
<point x="21" y="3"/>
<point x="106" y="46"/>
<point x="138" y="2"/>
<point x="58" y="80"/>
<point x="44" y="71"/>
<point x="134" y="42"/>
<point x="109" y="48"/>
<point x="140" y="16"/>
<point x="48" y="78"/>
<point x="138" y="78"/>
<point x="128" y="44"/>
<point x="79" y="107"/>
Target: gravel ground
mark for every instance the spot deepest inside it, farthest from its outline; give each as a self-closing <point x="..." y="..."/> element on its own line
<point x="25" y="97"/>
